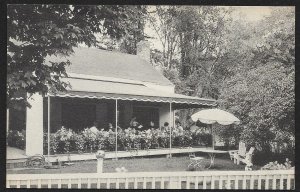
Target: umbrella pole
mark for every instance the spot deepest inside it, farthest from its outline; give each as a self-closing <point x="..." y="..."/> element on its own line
<point x="213" y="136"/>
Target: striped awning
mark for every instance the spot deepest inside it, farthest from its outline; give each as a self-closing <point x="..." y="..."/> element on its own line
<point x="169" y="98"/>
<point x="129" y="92"/>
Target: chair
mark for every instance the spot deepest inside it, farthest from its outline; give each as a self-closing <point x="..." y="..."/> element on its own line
<point x="195" y="162"/>
<point x="247" y="158"/>
<point x="241" y="151"/>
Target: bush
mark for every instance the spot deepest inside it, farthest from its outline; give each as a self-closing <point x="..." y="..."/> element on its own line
<point x="277" y="166"/>
<point x="91" y="140"/>
<point x="17" y="139"/>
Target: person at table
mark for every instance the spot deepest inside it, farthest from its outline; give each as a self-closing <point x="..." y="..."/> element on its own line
<point x="179" y="128"/>
<point x="194" y="128"/>
<point x="110" y="127"/>
<point x="151" y="125"/>
<point x="165" y="127"/>
<point x="133" y="123"/>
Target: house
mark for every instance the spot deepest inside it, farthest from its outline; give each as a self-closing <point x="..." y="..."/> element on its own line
<point x="106" y="87"/>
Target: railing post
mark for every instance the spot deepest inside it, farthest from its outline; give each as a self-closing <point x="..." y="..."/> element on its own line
<point x="259" y="182"/>
<point x="212" y="182"/>
<point x="236" y="182"/>
<point x="288" y="182"/>
<point x="281" y="182"/>
<point x="267" y="182"/>
<point x="162" y="182"/>
<point x="196" y="182"/>
<point x="100" y="156"/>
<point x="274" y="182"/>
<point x="204" y="182"/>
<point x="252" y="182"/>
<point x="173" y="184"/>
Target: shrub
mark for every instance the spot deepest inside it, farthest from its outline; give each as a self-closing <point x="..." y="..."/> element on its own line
<point x="53" y="143"/>
<point x="79" y="142"/>
<point x="16" y="139"/>
<point x="91" y="139"/>
<point x="277" y="166"/>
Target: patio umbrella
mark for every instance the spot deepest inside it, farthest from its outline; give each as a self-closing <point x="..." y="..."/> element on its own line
<point x="211" y="116"/>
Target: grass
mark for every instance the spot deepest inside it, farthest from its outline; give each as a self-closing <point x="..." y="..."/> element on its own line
<point x="146" y="164"/>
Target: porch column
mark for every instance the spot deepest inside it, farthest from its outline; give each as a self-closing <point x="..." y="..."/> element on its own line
<point x="116" y="128"/>
<point x="7" y="121"/>
<point x="34" y="125"/>
<point x="48" y="125"/>
<point x="170" y="129"/>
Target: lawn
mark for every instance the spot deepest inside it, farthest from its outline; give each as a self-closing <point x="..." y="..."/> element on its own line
<point x="146" y="164"/>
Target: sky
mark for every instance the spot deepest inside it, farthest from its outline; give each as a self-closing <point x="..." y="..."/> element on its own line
<point x="249" y="13"/>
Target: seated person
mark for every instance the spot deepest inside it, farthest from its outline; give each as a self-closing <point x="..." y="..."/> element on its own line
<point x="165" y="127"/>
<point x="179" y="128"/>
<point x="110" y="127"/>
<point x="133" y="123"/>
<point x="152" y="126"/>
<point x="194" y="128"/>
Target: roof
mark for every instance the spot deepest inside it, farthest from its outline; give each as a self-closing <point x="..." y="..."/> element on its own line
<point x="97" y="62"/>
<point x="135" y="92"/>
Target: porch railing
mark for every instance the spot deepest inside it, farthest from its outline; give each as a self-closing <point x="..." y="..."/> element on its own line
<point x="267" y="179"/>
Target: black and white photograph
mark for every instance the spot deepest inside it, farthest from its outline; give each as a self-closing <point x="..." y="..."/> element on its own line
<point x="150" y="97"/>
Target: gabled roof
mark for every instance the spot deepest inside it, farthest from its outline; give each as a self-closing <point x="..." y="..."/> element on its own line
<point x="97" y="62"/>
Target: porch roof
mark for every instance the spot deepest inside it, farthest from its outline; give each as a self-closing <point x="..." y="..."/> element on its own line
<point x="137" y="92"/>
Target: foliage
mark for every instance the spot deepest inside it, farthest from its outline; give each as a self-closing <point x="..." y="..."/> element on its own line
<point x="193" y="51"/>
<point x="163" y="20"/>
<point x="37" y="31"/>
<point x="248" y="66"/>
<point x="64" y="136"/>
<point x="16" y="139"/>
<point x="91" y="140"/>
<point x="277" y="166"/>
<point x="79" y="142"/>
<point x="261" y="91"/>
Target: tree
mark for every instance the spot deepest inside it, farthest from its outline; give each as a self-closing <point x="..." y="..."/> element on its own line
<point x="37" y="31"/>
<point x="261" y="93"/>
<point x="192" y="39"/>
<point x="163" y="20"/>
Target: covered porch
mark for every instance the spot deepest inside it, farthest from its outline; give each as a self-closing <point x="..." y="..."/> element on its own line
<point x="102" y="102"/>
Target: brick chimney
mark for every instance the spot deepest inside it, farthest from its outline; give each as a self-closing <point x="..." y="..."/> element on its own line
<point x="143" y="50"/>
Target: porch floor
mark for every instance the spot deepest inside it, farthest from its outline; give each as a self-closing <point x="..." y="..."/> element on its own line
<point x="122" y="154"/>
<point x="15" y="153"/>
<point x="18" y="155"/>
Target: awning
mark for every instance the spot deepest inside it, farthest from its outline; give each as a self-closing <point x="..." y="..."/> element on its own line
<point x="133" y="92"/>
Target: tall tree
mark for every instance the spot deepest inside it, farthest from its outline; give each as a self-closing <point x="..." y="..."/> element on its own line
<point x="261" y="93"/>
<point x="163" y="20"/>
